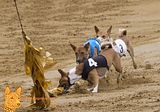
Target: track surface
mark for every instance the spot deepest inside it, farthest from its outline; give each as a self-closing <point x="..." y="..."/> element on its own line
<point x="52" y="24"/>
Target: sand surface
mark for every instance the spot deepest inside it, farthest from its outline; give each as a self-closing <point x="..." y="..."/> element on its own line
<point x="53" y="23"/>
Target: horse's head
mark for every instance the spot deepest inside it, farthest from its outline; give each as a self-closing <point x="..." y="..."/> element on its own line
<point x="81" y="52"/>
<point x="104" y="37"/>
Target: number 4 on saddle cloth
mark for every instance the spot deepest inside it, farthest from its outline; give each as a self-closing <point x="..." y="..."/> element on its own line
<point x="92" y="63"/>
<point x="94" y="43"/>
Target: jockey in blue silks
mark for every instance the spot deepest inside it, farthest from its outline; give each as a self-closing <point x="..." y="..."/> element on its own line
<point x="94" y="43"/>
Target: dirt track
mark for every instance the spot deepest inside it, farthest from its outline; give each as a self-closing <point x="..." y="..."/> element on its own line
<point x="52" y="24"/>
